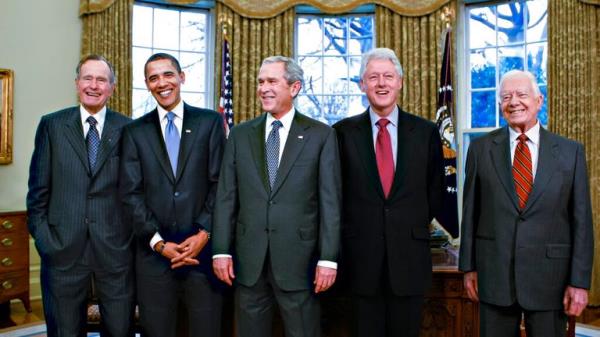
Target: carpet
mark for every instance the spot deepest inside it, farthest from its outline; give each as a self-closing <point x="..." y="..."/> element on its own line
<point x="31" y="330"/>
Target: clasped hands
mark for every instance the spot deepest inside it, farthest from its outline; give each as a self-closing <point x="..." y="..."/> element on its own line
<point x="184" y="254"/>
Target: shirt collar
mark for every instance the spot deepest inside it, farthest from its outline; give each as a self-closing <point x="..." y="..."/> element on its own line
<point x="178" y="111"/>
<point x="100" y="116"/>
<point x="532" y="134"/>
<point x="392" y="117"/>
<point x="286" y="120"/>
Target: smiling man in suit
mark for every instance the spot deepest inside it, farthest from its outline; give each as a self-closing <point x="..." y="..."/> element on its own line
<point x="74" y="211"/>
<point x="169" y="171"/>
<point x="392" y="182"/>
<point x="527" y="238"/>
<point x="279" y="201"/>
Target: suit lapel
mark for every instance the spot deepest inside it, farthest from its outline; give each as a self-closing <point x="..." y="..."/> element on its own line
<point x="547" y="160"/>
<point x="154" y="136"/>
<point x="501" y="161"/>
<point x="404" y="146"/>
<point x="297" y="137"/>
<point x="256" y="139"/>
<point x="74" y="135"/>
<point x="366" y="149"/>
<point x="189" y="132"/>
<point x="107" y="141"/>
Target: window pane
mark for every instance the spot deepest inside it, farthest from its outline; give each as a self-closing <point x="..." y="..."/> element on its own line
<point x="361" y="35"/>
<point x="195" y="99"/>
<point x="543" y="114"/>
<point x="143" y="102"/>
<point x="511" y="27"/>
<point x="537" y="26"/>
<point x="334" y="30"/>
<point x="335" y="107"/>
<point x="166" y="29"/>
<point x="354" y="85"/>
<point x="483" y="109"/>
<point x="483" y="68"/>
<point x="193" y="31"/>
<point x="193" y="64"/>
<point x="142" y="19"/>
<point x="358" y="105"/>
<point x="511" y="58"/>
<point x="482" y="23"/>
<point x="336" y="75"/>
<point x="313" y="74"/>
<point x="139" y="57"/>
<point x="537" y="61"/>
<point x="309" y="105"/>
<point x="310" y="36"/>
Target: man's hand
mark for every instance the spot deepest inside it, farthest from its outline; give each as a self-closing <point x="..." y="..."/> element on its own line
<point x="470" y="282"/>
<point x="324" y="278"/>
<point x="189" y="249"/>
<point x="575" y="300"/>
<point x="223" y="268"/>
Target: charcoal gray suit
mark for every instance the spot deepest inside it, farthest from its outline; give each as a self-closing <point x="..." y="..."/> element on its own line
<point x="74" y="215"/>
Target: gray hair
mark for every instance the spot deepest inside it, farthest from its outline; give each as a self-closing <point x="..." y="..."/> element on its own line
<point x="293" y="72"/>
<point x="519" y="73"/>
<point x="96" y="57"/>
<point x="380" y="54"/>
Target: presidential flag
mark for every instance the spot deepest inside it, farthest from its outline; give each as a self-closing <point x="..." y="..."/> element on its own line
<point x="448" y="217"/>
<point x="226" y="97"/>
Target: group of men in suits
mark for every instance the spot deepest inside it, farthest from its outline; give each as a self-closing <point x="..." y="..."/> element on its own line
<point x="271" y="208"/>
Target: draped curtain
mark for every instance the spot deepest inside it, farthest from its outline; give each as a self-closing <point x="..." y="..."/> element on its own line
<point x="574" y="93"/>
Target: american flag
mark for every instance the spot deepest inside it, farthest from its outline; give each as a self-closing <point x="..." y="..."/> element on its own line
<point x="448" y="217"/>
<point x="226" y="98"/>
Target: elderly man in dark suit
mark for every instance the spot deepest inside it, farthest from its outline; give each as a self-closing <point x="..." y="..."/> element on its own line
<point x="279" y="201"/>
<point x="169" y="171"/>
<point x="73" y="208"/>
<point x="527" y="240"/>
<point x="392" y="182"/>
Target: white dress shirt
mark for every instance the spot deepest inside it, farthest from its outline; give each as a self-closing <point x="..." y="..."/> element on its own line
<point x="533" y="143"/>
<point x="100" y="117"/>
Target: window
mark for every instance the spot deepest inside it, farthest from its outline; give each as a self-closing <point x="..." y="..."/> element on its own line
<point x="500" y="38"/>
<point x="329" y="49"/>
<point x="181" y="32"/>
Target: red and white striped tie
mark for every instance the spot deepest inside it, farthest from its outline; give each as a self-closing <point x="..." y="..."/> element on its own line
<point x="522" y="171"/>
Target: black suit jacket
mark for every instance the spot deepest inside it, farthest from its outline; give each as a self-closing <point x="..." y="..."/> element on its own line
<point x="528" y="256"/>
<point x="397" y="228"/>
<point x="155" y="200"/>
<point x="297" y="222"/>
<point x="67" y="204"/>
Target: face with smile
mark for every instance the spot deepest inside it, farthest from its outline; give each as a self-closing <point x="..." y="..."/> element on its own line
<point x="94" y="85"/>
<point x="381" y="83"/>
<point x="164" y="82"/>
<point x="519" y="102"/>
<point x="275" y="93"/>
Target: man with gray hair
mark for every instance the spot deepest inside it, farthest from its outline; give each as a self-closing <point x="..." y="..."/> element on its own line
<point x="279" y="200"/>
<point x="392" y="188"/>
<point x="527" y="238"/>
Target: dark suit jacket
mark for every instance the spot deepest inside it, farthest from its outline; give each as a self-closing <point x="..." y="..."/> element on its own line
<point x="397" y="228"/>
<point x="155" y="200"/>
<point x="297" y="222"/>
<point x="528" y="256"/>
<point x="67" y="205"/>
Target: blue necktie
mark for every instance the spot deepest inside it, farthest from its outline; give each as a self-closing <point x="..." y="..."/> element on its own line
<point x="93" y="142"/>
<point x="172" y="141"/>
<point x="272" y="151"/>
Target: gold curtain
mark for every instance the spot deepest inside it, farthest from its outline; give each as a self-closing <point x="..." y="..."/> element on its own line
<point x="574" y="93"/>
<point x="108" y="32"/>
<point x="251" y="40"/>
<point x="416" y="41"/>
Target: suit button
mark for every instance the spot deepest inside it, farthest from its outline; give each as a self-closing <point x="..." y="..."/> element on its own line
<point x="176" y="194"/>
<point x="87" y="221"/>
<point x="271" y="202"/>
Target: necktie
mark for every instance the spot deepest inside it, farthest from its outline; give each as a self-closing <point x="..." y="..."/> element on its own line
<point x="522" y="172"/>
<point x="172" y="141"/>
<point x="384" y="156"/>
<point x="272" y="151"/>
<point x="93" y="142"/>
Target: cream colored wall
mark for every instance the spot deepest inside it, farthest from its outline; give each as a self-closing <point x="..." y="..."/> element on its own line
<point x="40" y="41"/>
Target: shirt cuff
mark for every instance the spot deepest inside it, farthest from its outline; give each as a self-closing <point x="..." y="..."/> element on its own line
<point x="217" y="256"/>
<point x="327" y="264"/>
<point x="155" y="239"/>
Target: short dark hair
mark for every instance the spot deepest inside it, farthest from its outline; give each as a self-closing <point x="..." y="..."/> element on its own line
<point x="163" y="56"/>
<point x="97" y="57"/>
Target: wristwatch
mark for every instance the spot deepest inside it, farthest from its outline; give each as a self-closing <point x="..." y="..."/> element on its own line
<point x="161" y="247"/>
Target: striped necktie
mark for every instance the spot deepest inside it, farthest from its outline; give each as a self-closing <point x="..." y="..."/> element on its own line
<point x="522" y="171"/>
<point x="93" y="142"/>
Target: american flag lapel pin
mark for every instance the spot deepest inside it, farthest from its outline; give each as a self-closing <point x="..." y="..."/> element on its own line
<point x="300" y="137"/>
<point x="188" y="131"/>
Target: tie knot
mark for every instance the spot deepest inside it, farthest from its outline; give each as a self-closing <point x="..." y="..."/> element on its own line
<point x="383" y="122"/>
<point x="170" y="116"/>
<point x="276" y="125"/>
<point x="92" y="121"/>
<point x="522" y="138"/>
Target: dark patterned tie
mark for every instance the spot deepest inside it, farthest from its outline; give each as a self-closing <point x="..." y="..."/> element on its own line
<point x="172" y="139"/>
<point x="93" y="142"/>
<point x="384" y="156"/>
<point x="522" y="171"/>
<point x="272" y="152"/>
